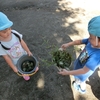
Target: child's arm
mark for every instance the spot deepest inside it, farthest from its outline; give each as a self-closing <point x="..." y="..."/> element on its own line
<point x="74" y="72"/>
<point x="10" y="63"/>
<point x="24" y="45"/>
<point x="77" y="42"/>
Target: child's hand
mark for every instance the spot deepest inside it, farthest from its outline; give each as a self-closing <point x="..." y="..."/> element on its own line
<point x="63" y="72"/>
<point x="29" y="53"/>
<point x="64" y="46"/>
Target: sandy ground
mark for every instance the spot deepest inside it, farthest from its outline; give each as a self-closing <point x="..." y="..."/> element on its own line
<point x="46" y="24"/>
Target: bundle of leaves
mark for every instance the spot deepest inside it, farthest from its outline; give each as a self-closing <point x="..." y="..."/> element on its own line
<point x="27" y="66"/>
<point x="62" y="58"/>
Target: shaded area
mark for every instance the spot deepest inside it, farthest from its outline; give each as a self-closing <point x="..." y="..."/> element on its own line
<point x="94" y="82"/>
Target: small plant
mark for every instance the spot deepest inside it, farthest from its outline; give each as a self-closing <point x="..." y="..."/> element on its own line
<point x="27" y="66"/>
<point x="62" y="58"/>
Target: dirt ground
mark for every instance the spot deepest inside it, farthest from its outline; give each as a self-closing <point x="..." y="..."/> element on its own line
<point x="45" y="25"/>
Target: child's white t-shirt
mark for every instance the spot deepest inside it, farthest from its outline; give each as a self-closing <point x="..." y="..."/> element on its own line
<point x="16" y="50"/>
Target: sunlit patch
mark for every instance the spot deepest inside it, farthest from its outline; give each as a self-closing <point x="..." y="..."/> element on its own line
<point x="59" y="40"/>
<point x="55" y="34"/>
<point x="40" y="82"/>
<point x="99" y="72"/>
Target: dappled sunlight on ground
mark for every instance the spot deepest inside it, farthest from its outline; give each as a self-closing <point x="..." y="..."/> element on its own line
<point x="99" y="73"/>
<point x="81" y="14"/>
<point x="88" y="5"/>
<point x="41" y="82"/>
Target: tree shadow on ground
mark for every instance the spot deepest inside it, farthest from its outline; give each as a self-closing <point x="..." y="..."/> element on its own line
<point x="94" y="82"/>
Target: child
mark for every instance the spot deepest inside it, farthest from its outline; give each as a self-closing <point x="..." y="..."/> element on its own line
<point x="89" y="59"/>
<point x="12" y="46"/>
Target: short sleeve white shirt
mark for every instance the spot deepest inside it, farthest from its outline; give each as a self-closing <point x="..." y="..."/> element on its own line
<point x="16" y="50"/>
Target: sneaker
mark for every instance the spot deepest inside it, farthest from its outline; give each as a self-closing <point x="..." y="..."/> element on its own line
<point x="78" y="88"/>
<point x="26" y="77"/>
<point x="81" y="91"/>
